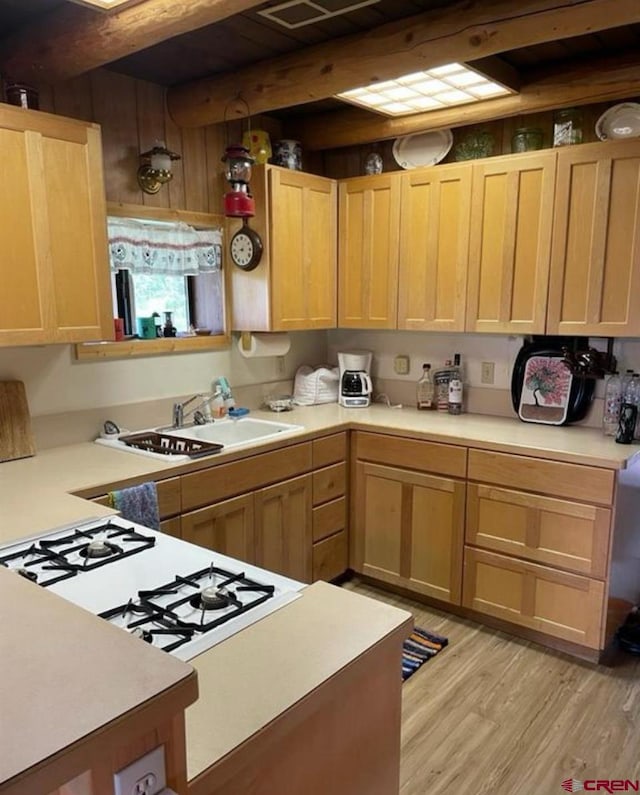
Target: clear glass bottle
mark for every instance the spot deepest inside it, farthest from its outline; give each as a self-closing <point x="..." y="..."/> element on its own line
<point x="567" y="127"/>
<point x="629" y="411"/>
<point x="612" y="403"/>
<point x="425" y="389"/>
<point x="455" y="387"/>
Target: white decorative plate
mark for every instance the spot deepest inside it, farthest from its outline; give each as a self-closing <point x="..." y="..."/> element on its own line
<point x="422" y="149"/>
<point x="620" y="121"/>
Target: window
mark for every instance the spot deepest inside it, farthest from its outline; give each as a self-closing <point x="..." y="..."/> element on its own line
<point x="160" y="267"/>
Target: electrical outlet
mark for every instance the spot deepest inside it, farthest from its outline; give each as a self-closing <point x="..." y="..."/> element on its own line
<point x="401" y="365"/>
<point x="145" y="776"/>
<point x="487" y="374"/>
<point x="280" y="366"/>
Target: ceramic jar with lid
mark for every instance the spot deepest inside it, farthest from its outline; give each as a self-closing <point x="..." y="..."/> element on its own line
<point x="526" y="139"/>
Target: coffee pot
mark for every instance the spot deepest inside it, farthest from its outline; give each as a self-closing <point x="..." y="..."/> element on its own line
<point x="355" y="382"/>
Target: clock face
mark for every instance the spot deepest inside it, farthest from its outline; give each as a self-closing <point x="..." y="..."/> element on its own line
<point x="246" y="249"/>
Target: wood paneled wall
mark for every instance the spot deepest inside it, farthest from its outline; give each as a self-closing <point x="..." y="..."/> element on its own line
<point x="133" y="115"/>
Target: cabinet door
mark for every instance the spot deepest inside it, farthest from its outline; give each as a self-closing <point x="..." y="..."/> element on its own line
<point x="570" y="535"/>
<point x="564" y="605"/>
<point x="595" y="268"/>
<point x="303" y="233"/>
<point x="369" y="224"/>
<point x="409" y="529"/>
<point x="54" y="267"/>
<point x="284" y="528"/>
<point x="227" y="527"/>
<point x="510" y="248"/>
<point x="434" y="248"/>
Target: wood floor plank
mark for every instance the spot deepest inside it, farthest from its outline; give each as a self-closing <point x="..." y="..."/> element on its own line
<point x="500" y="715"/>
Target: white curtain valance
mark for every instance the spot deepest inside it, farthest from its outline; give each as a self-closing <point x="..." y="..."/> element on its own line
<point x="168" y="249"/>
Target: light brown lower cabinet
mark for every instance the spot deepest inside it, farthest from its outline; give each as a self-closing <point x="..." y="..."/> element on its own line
<point x="172" y="527"/>
<point x="330" y="557"/>
<point x="409" y="529"/>
<point x="226" y="527"/>
<point x="569" y="535"/>
<point x="283" y="528"/>
<point x="566" y="606"/>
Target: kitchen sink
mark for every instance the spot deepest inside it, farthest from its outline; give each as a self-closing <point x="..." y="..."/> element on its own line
<point x="230" y="433"/>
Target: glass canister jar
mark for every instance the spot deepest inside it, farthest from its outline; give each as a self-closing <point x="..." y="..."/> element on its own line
<point x="526" y="139"/>
<point x="567" y="127"/>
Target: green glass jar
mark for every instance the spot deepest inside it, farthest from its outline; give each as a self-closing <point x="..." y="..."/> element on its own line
<point x="526" y="139"/>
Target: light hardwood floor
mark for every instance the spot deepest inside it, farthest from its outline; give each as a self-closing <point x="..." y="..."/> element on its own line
<point x="494" y="714"/>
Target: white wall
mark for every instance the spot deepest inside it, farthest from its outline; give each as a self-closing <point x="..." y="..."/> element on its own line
<point x="56" y="382"/>
<point x="474" y="348"/>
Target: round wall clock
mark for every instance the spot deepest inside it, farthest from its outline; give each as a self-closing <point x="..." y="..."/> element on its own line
<point x="246" y="248"/>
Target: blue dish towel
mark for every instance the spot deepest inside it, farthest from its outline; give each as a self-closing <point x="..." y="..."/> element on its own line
<point x="138" y="504"/>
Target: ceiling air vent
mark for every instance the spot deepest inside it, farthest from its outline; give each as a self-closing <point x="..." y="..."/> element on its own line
<point x="297" y="13"/>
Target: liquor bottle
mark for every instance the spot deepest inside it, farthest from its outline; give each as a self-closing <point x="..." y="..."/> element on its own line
<point x="441" y="379"/>
<point x="455" y="387"/>
<point x="425" y="389"/>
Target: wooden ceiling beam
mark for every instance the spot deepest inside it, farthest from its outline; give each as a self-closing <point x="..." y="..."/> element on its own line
<point x="593" y="81"/>
<point x="74" y="39"/>
<point x="467" y="31"/>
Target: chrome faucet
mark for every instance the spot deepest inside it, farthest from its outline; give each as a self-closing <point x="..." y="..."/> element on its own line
<point x="201" y="413"/>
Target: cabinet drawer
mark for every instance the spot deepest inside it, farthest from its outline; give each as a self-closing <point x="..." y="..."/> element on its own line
<point x="168" y="497"/>
<point x="227" y="480"/>
<point x="556" y="603"/>
<point x="329" y="518"/>
<point x="442" y="459"/>
<point x="329" y="450"/>
<point x="330" y="557"/>
<point x="329" y="483"/>
<point x="574" y="481"/>
<point x="569" y="535"/>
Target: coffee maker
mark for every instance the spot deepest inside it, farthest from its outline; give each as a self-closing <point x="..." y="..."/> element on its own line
<point x="355" y="381"/>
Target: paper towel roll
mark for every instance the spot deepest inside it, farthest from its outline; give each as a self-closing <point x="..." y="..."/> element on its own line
<point x="252" y="346"/>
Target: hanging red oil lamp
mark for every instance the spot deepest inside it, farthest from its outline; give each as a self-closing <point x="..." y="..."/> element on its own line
<point x="238" y="202"/>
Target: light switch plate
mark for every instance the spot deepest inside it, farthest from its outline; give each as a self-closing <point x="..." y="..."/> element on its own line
<point x="401" y="365"/>
<point x="487" y="374"/>
<point x="145" y="776"/>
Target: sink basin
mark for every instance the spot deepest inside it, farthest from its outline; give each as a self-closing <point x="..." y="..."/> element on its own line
<point x="228" y="432"/>
<point x="232" y="433"/>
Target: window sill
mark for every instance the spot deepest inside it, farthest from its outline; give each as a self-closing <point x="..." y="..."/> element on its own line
<point x="127" y="349"/>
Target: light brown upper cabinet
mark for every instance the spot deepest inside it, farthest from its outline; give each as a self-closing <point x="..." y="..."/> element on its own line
<point x="294" y="285"/>
<point x="510" y="246"/>
<point x="595" y="267"/>
<point x="369" y="226"/>
<point x="54" y="265"/>
<point x="434" y="248"/>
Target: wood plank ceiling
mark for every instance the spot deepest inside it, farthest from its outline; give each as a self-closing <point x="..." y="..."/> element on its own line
<point x="247" y="38"/>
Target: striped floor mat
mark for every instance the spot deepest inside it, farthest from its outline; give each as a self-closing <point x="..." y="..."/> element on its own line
<point x="418" y="648"/>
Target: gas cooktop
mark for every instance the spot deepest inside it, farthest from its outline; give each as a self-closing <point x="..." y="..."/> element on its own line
<point x="174" y="595"/>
